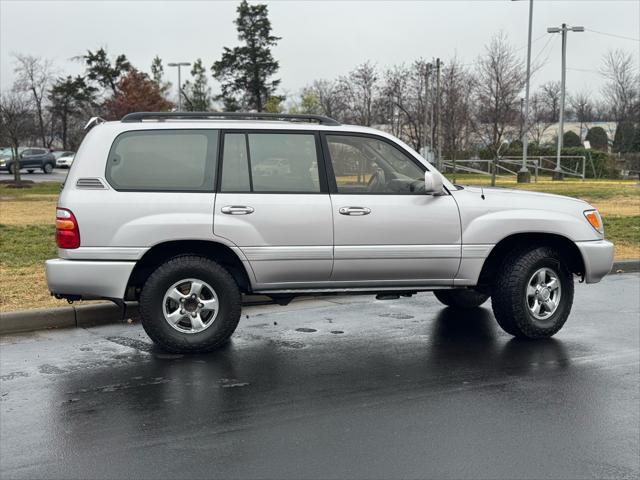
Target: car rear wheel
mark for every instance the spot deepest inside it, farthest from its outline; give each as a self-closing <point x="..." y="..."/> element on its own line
<point x="12" y="169"/>
<point x="533" y="293"/>
<point x="47" y="168"/>
<point x="461" y="298"/>
<point x="190" y="304"/>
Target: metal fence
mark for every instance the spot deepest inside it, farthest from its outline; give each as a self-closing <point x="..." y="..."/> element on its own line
<point x="570" y="165"/>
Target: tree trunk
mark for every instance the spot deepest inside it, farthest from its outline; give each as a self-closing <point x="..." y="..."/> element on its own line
<point x="16" y="168"/>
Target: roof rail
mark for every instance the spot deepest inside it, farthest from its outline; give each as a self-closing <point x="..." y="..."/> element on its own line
<point x="140" y="116"/>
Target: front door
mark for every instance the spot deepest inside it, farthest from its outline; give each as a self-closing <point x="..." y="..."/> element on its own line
<point x="273" y="203"/>
<point x="387" y="230"/>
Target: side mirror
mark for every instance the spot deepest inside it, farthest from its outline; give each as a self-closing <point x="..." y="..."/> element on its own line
<point x="433" y="183"/>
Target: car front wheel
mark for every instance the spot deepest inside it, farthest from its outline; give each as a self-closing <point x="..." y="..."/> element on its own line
<point x="47" y="168"/>
<point x="533" y="293"/>
<point x="190" y="304"/>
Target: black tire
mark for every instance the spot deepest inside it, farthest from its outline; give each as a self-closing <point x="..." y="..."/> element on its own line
<point x="46" y="168"/>
<point x="174" y="270"/>
<point x="509" y="298"/>
<point x="12" y="169"/>
<point x="461" y="298"/>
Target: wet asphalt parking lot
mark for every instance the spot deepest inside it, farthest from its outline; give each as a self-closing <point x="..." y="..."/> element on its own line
<point x="343" y="387"/>
<point x="58" y="175"/>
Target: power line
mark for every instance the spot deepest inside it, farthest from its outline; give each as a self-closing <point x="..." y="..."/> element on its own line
<point x="614" y="35"/>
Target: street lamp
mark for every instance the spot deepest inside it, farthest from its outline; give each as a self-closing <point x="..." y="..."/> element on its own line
<point x="524" y="176"/>
<point x="179" y="65"/>
<point x="557" y="172"/>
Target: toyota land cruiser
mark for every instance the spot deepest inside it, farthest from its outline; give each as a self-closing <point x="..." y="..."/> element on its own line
<point x="184" y="212"/>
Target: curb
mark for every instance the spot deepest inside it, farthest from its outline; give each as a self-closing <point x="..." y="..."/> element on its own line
<point x="625" y="266"/>
<point x="65" y="317"/>
<point x="82" y="316"/>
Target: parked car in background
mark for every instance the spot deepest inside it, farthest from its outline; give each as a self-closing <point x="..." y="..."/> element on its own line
<point x="64" y="159"/>
<point x="30" y="158"/>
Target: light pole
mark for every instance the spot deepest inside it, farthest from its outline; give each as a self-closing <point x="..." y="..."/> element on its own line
<point x="557" y="172"/>
<point x="179" y="65"/>
<point x="524" y="176"/>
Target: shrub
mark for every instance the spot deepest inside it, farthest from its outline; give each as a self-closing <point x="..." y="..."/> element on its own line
<point x="598" y="138"/>
<point x="571" y="139"/>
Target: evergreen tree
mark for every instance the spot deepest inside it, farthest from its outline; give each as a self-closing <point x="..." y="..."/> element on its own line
<point x="69" y="97"/>
<point x="623" y="138"/>
<point x="157" y="70"/>
<point x="157" y="75"/>
<point x="571" y="139"/>
<point x="103" y="71"/>
<point x="598" y="138"/>
<point x="245" y="72"/>
<point x="196" y="93"/>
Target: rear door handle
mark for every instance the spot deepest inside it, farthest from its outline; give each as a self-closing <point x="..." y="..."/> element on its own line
<point x="237" y="210"/>
<point x="355" y="211"/>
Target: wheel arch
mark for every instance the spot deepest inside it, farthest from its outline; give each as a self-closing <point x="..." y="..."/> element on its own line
<point x="567" y="248"/>
<point x="160" y="253"/>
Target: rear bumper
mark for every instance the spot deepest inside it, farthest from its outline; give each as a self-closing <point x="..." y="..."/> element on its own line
<point x="598" y="259"/>
<point x="88" y="279"/>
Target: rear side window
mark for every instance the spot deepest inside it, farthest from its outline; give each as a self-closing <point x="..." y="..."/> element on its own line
<point x="179" y="160"/>
<point x="270" y="162"/>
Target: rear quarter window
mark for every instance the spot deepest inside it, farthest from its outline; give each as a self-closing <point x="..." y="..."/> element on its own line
<point x="163" y="160"/>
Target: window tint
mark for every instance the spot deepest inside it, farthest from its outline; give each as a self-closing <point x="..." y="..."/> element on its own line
<point x="38" y="151"/>
<point x="275" y="162"/>
<point x="235" y="164"/>
<point x="163" y="160"/>
<point x="369" y="165"/>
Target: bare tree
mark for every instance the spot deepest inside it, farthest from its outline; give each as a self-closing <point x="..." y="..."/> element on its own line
<point x="329" y="96"/>
<point x="34" y="76"/>
<point x="457" y="88"/>
<point x="360" y="89"/>
<point x="582" y="107"/>
<point x="622" y="84"/>
<point x="403" y="101"/>
<point x="16" y="124"/>
<point x="500" y="77"/>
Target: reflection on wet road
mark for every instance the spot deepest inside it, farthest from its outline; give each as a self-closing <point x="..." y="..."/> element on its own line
<point x="363" y="389"/>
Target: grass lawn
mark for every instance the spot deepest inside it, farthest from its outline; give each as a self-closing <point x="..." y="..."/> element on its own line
<point x="27" y="233"/>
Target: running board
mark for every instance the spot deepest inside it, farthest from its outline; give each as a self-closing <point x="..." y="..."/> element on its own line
<point x="354" y="290"/>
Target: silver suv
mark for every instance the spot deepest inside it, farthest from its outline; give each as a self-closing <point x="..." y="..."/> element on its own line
<point x="185" y="212"/>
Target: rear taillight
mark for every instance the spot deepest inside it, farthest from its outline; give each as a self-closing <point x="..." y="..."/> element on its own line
<point x="67" y="233"/>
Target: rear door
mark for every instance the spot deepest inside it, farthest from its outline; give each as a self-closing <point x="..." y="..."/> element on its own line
<point x="273" y="203"/>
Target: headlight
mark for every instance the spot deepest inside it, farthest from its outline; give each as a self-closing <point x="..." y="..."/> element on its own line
<point x="593" y="217"/>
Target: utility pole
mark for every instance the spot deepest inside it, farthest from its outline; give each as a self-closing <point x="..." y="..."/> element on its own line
<point x="179" y="65"/>
<point x="557" y="172"/>
<point x="524" y="176"/>
<point x="438" y="128"/>
<point x="427" y="74"/>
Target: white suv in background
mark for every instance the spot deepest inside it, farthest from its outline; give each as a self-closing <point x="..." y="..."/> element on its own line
<point x="184" y="212"/>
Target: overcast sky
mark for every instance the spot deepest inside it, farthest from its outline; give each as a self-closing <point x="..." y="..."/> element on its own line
<point x="320" y="39"/>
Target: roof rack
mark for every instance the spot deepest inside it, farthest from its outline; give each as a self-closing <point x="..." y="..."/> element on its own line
<point x="140" y="116"/>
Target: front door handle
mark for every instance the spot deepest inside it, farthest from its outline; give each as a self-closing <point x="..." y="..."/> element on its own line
<point x="237" y="210"/>
<point x="355" y="211"/>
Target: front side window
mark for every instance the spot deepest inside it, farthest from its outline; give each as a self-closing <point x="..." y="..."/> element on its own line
<point x="178" y="160"/>
<point x="270" y="162"/>
<point x="370" y="165"/>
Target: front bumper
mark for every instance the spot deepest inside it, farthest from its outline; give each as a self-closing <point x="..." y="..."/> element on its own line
<point x="88" y="279"/>
<point x="598" y="259"/>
